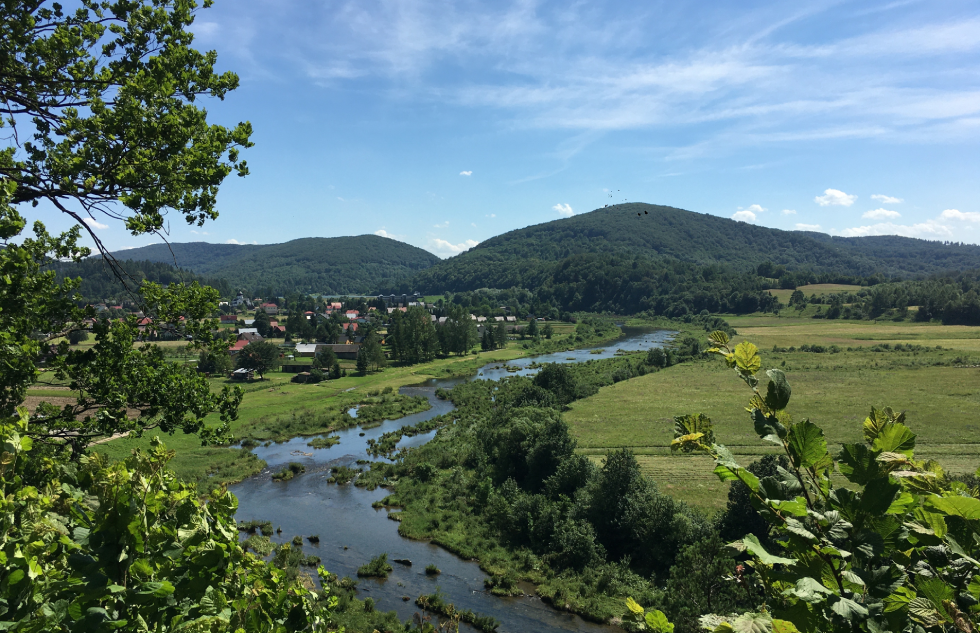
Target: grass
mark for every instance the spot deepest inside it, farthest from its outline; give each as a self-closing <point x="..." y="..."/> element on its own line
<point x="835" y="390"/>
<point x="378" y="567"/>
<point x="814" y="289"/>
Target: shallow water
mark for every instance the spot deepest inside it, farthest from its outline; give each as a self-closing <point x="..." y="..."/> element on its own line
<point x="352" y="532"/>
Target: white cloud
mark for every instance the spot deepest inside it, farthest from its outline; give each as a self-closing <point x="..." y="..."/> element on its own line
<point x="757" y="208"/>
<point x="807" y="227"/>
<point x="930" y="230"/>
<point x="441" y="226"/>
<point x="234" y="241"/>
<point x="466" y="173"/>
<point x="95" y="225"/>
<point x="835" y="198"/>
<point x="744" y="216"/>
<point x="881" y="214"/>
<point x="789" y="211"/>
<point x="492" y="215"/>
<point x="886" y="199"/>
<point x="448" y="248"/>
<point x="564" y="210"/>
<point x="956" y="214"/>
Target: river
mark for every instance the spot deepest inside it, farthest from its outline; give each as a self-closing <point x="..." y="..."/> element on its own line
<point x="352" y="532"/>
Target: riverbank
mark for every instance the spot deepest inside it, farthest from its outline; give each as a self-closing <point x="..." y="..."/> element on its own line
<point x="302" y="407"/>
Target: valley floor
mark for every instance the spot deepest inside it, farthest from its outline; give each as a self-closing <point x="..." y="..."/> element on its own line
<point x="836" y="388"/>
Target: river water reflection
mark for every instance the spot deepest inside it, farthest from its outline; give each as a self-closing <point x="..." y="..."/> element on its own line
<point x="352" y="532"/>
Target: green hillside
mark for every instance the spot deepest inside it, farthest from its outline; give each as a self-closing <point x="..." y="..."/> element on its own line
<point x="526" y="257"/>
<point x="100" y="284"/>
<point x="329" y="265"/>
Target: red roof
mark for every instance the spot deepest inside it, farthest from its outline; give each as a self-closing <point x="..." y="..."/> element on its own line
<point x="346" y="325"/>
<point x="238" y="346"/>
<point x="269" y="305"/>
<point x="145" y="321"/>
<point x="229" y="318"/>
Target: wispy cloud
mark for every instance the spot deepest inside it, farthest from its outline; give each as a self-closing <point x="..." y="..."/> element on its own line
<point x="835" y="198"/>
<point x="744" y="216"/>
<point x="807" y="227"/>
<point x="564" y="210"/>
<point x="756" y="208"/>
<point x="789" y="211"/>
<point x="466" y="173"/>
<point x="886" y="199"/>
<point x="234" y="241"/>
<point x="926" y="230"/>
<point x="94" y="224"/>
<point x="881" y="214"/>
<point x="383" y="233"/>
<point x="441" y="226"/>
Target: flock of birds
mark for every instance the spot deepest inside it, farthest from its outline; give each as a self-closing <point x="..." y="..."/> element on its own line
<point x="624" y="200"/>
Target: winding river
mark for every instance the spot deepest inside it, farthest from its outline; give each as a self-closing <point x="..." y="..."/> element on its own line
<point x="352" y="532"/>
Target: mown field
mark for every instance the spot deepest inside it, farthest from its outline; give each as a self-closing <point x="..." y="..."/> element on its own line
<point x="938" y="388"/>
<point x="814" y="289"/>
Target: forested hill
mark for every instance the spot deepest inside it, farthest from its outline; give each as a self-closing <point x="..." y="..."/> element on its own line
<point x="329" y="265"/>
<point x="526" y="256"/>
<point x="100" y="284"/>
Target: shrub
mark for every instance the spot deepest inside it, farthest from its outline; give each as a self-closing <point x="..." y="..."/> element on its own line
<point x="432" y="570"/>
<point x="377" y="568"/>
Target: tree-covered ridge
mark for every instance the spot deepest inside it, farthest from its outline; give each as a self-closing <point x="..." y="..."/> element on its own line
<point x="360" y="264"/>
<point x="99" y="283"/>
<point x="522" y="257"/>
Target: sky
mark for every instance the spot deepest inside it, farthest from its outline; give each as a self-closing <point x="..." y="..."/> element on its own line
<point x="442" y="124"/>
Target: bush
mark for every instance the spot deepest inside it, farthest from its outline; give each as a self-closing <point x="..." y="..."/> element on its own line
<point x="377" y="568"/>
<point x="432" y="570"/>
<point x="290" y="471"/>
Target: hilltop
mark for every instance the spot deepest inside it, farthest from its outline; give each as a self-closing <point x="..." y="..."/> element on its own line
<point x="330" y="265"/>
<point x="527" y="257"/>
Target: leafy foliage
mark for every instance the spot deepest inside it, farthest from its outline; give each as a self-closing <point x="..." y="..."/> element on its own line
<point x="895" y="549"/>
<point x="99" y="546"/>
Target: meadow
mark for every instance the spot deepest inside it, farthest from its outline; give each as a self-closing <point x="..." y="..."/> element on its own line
<point x="836" y="387"/>
<point x="813" y="289"/>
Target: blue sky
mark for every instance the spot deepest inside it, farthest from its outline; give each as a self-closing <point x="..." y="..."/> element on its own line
<point x="445" y="123"/>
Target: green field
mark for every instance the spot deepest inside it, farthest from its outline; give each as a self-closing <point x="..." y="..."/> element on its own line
<point x="814" y="289"/>
<point x="939" y="389"/>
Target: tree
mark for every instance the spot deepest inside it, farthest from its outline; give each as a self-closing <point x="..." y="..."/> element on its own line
<point x="374" y="352"/>
<point x="500" y="335"/>
<point x="259" y="356"/>
<point x="335" y="370"/>
<point x="324" y="359"/>
<point x="487" y="341"/>
<point x="261" y="323"/>
<point x="362" y="361"/>
<point x="211" y="363"/>
<point x="532" y="328"/>
<point x="548" y="331"/>
<point x="108" y="95"/>
<point x="459" y="334"/>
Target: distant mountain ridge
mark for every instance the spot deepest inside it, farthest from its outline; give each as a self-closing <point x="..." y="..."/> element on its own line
<point x="329" y="265"/>
<point x="526" y="257"/>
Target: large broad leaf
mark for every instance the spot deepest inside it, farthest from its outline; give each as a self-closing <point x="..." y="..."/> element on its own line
<point x="878" y="495"/>
<point x="753" y="623"/>
<point x="768" y="427"/>
<point x="807" y="446"/>
<point x="779" y="391"/>
<point x="935" y="590"/>
<point x="784" y="626"/>
<point x="686" y="425"/>
<point x="849" y="610"/>
<point x="657" y="622"/>
<point x="857" y="463"/>
<point x="746" y="357"/>
<point x="966" y="507"/>
<point x="718" y="338"/>
<point x="752" y="545"/>
<point x="895" y="438"/>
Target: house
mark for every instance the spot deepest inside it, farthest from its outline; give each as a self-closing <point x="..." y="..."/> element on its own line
<point x="309" y="315"/>
<point x="247" y="330"/>
<point x="278" y="331"/>
<point x="349" y="326"/>
<point x="500" y="318"/>
<point x="270" y="308"/>
<point x="273" y="323"/>
<point x="237" y="347"/>
<point x="481" y="319"/>
<point x="335" y="305"/>
<point x="229" y="318"/>
<point x="344" y="351"/>
<point x="240" y="300"/>
<point x="351" y="314"/>
<point x="511" y="319"/>
<point x="442" y="320"/>
<point x="251" y="337"/>
<point x="306" y="349"/>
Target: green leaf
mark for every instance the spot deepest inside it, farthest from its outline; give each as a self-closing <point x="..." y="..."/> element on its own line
<point x="752" y="545"/>
<point x="656" y="621"/>
<point x="849" y="610"/>
<point x="688" y="425"/>
<point x="966" y="507"/>
<point x="784" y="626"/>
<point x="768" y="427"/>
<point x="746" y="357"/>
<point x="157" y="589"/>
<point x="753" y="623"/>
<point x="779" y="391"/>
<point x="895" y="438"/>
<point x="878" y="495"/>
<point x="718" y="338"/>
<point x="807" y="446"/>
<point x="857" y="463"/>
<point x="935" y="590"/>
